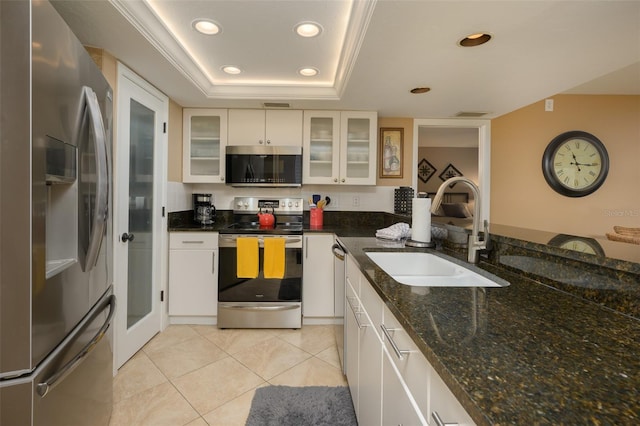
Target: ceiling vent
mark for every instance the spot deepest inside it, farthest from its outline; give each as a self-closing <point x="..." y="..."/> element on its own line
<point x="471" y="114"/>
<point x="276" y="105"/>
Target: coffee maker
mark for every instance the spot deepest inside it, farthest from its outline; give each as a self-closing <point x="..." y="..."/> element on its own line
<point x="204" y="212"/>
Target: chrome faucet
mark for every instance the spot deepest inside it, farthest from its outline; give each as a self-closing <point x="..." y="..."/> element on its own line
<point x="475" y="243"/>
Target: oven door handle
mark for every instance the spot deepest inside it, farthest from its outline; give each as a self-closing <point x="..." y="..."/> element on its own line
<point x="261" y="240"/>
<point x="261" y="308"/>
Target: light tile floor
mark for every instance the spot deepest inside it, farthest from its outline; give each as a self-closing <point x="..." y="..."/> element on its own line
<point x="201" y="375"/>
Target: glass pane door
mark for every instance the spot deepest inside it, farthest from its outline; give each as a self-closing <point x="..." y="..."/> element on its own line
<point x="141" y="179"/>
<point x="322" y="147"/>
<point x="358" y="140"/>
<point x="205" y="145"/>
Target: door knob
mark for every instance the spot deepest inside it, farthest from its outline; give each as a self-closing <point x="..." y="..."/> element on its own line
<point x="127" y="237"/>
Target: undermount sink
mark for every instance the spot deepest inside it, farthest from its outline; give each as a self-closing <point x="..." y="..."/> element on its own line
<point x="429" y="270"/>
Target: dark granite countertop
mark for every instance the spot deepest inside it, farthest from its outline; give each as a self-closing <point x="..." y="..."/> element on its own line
<point x="523" y="354"/>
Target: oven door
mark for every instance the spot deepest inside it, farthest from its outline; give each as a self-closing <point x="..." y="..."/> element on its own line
<point x="259" y="302"/>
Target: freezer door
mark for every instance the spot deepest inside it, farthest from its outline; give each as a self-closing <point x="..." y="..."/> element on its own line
<point x="77" y="388"/>
<point x="72" y="386"/>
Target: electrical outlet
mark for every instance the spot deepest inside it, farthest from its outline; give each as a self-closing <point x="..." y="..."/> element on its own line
<point x="548" y="104"/>
<point x="356" y="200"/>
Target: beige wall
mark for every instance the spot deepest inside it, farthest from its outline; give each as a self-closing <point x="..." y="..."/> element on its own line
<point x="520" y="195"/>
<point x="407" y="151"/>
<point x="174" y="160"/>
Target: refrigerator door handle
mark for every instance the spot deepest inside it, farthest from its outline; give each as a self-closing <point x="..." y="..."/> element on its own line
<point x="102" y="179"/>
<point x="44" y="387"/>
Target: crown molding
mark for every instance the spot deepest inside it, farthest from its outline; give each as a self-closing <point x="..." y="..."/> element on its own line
<point x="144" y="19"/>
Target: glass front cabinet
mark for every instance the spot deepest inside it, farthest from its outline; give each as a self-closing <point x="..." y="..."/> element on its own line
<point x="204" y="142"/>
<point x="340" y="147"/>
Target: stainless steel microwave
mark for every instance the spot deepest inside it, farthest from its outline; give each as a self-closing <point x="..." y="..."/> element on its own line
<point x="257" y="165"/>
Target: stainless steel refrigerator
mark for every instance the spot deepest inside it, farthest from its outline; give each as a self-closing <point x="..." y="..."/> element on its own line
<point x="56" y="296"/>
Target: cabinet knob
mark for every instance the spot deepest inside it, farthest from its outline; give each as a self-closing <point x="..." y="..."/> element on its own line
<point x="335" y="180"/>
<point x="343" y="180"/>
<point x="268" y="141"/>
<point x="260" y="141"/>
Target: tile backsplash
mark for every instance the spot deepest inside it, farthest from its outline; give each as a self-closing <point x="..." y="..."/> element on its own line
<point x="345" y="198"/>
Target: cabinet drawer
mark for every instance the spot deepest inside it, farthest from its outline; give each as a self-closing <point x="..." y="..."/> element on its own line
<point x="413" y="366"/>
<point x="371" y="303"/>
<point x="352" y="274"/>
<point x="193" y="240"/>
<point x="445" y="404"/>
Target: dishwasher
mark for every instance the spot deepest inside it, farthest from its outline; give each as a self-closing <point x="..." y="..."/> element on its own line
<point x="339" y="252"/>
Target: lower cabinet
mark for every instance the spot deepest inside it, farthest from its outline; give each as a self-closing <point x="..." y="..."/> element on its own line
<point x="193" y="277"/>
<point x="317" y="277"/>
<point x="363" y="358"/>
<point x="352" y="339"/>
<point x="445" y="405"/>
<point x="398" y="407"/>
<point x="390" y="380"/>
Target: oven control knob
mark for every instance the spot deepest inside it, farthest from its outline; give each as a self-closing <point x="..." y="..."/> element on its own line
<point x="290" y="204"/>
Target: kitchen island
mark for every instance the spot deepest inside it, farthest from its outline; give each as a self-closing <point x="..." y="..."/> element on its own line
<point x="523" y="354"/>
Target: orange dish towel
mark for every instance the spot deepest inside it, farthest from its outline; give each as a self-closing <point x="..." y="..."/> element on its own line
<point x="247" y="257"/>
<point x="274" y="257"/>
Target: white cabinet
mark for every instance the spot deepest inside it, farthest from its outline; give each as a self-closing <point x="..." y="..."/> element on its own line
<point x="358" y="147"/>
<point x="404" y="366"/>
<point x="265" y="127"/>
<point x="321" y="147"/>
<point x="370" y="370"/>
<point x="340" y="147"/>
<point x="193" y="276"/>
<point x="391" y="381"/>
<point x="397" y="405"/>
<point x="317" y="277"/>
<point x="363" y="350"/>
<point x="203" y="145"/>
<point x="445" y="404"/>
<point x="352" y="342"/>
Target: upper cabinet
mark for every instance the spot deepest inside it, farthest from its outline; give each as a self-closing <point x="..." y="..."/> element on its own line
<point x="203" y="146"/>
<point x="358" y="147"/>
<point x="265" y="127"/>
<point x="340" y="147"/>
<point x="321" y="147"/>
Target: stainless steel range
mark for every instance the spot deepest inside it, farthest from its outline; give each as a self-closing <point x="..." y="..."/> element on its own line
<point x="260" y="299"/>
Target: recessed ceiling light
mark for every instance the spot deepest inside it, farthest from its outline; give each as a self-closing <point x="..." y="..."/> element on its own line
<point x="308" y="29"/>
<point x="206" y="26"/>
<point x="420" y="90"/>
<point x="308" y="72"/>
<point x="475" y="39"/>
<point x="229" y="69"/>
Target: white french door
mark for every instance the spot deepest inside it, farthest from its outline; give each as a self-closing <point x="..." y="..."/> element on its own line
<point x="140" y="192"/>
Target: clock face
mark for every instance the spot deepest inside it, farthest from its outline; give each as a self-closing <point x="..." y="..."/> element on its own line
<point x="575" y="164"/>
<point x="578" y="245"/>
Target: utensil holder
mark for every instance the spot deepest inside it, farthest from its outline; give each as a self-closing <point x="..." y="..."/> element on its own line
<point x="402" y="202"/>
<point x="315" y="217"/>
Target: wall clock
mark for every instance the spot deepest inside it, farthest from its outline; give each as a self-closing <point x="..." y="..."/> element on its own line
<point x="575" y="163"/>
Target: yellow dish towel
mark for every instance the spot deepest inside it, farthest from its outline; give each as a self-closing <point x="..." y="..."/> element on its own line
<point x="274" y="257"/>
<point x="247" y="257"/>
